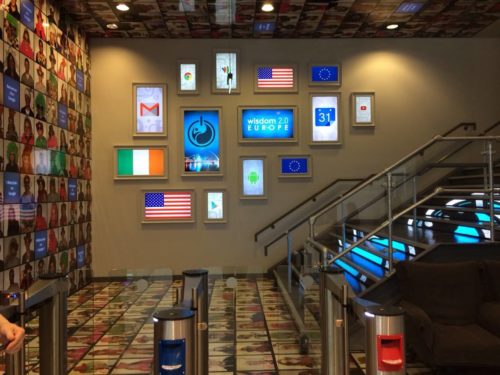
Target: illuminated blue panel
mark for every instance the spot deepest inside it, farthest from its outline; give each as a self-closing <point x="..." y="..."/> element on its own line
<point x="347" y="267"/>
<point x="368" y="255"/>
<point x="465" y="239"/>
<point x="267" y="123"/>
<point x="468" y="231"/>
<point x="367" y="265"/>
<point x="482" y="217"/>
<point x="201" y="141"/>
<point x="399" y="246"/>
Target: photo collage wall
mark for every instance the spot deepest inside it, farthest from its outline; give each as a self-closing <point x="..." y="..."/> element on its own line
<point x="45" y="146"/>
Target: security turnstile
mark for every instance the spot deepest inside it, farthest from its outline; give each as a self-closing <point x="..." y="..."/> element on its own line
<point x="174" y="340"/>
<point x="50" y="293"/>
<point x="385" y="345"/>
<point x="195" y="297"/>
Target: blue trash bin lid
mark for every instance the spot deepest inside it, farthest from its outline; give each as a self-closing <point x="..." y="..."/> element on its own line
<point x="175" y="313"/>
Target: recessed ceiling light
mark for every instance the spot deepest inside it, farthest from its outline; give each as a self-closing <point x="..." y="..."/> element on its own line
<point x="122" y="7"/>
<point x="112" y="26"/>
<point x="267" y="7"/>
<point x="392" y="26"/>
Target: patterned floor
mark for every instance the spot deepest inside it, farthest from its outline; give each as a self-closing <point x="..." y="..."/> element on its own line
<point x="250" y="330"/>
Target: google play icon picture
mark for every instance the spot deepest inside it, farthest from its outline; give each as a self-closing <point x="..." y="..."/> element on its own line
<point x="188" y="77"/>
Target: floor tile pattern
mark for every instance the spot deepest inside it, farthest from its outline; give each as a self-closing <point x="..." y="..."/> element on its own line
<point x="251" y="330"/>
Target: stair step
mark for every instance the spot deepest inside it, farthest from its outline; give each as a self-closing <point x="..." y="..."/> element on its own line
<point x="395" y="237"/>
<point x="458" y="208"/>
<point x="366" y="277"/>
<point x="380" y="247"/>
<point x="469" y="176"/>
<point x="442" y="220"/>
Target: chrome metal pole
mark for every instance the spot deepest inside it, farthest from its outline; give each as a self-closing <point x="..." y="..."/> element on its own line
<point x="389" y="216"/>
<point x="345" y="332"/>
<point x="414" y="187"/>
<point x="311" y="228"/>
<point x="333" y="325"/>
<point x="289" y="259"/>
<point x="491" y="188"/>
<point x="344" y="237"/>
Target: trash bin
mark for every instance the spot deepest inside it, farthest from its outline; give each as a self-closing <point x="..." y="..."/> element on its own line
<point x="385" y="342"/>
<point x="174" y="346"/>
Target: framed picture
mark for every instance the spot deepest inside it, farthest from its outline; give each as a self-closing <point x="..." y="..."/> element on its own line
<point x="150" y="110"/>
<point x="275" y="78"/>
<point x="267" y="124"/>
<point x="168" y="206"/>
<point x="201" y="141"/>
<point x="215" y="206"/>
<point x="140" y="162"/>
<point x="325" y="119"/>
<point x="226" y="77"/>
<point x="295" y="166"/>
<point x="324" y="75"/>
<point x="253" y="174"/>
<point x="363" y="109"/>
<point x="187" y="77"/>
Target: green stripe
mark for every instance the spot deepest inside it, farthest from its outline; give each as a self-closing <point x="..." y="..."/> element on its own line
<point x="125" y="162"/>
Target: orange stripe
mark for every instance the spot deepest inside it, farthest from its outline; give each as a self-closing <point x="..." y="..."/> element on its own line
<point x="156" y="163"/>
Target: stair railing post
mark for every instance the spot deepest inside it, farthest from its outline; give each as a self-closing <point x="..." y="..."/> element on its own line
<point x="311" y="228"/>
<point x="389" y="216"/>
<point x="342" y="215"/>
<point x="492" y="190"/>
<point x="289" y="260"/>
<point x="414" y="188"/>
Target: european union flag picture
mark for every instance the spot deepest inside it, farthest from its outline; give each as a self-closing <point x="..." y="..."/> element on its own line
<point x="295" y="166"/>
<point x="327" y="74"/>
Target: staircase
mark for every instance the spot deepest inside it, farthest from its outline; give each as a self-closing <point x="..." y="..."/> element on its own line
<point x="440" y="193"/>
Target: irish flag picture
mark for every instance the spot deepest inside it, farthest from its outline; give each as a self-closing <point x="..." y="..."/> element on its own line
<point x="133" y="162"/>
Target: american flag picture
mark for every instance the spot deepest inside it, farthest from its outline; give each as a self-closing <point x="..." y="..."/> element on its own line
<point x="168" y="206"/>
<point x="273" y="77"/>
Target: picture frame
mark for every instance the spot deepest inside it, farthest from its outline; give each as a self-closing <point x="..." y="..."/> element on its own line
<point x="215" y="206"/>
<point x="140" y="162"/>
<point x="150" y="110"/>
<point x="226" y="63"/>
<point x="363" y="109"/>
<point x="166" y="206"/>
<point x="324" y="74"/>
<point x="276" y="78"/>
<point x="187" y="77"/>
<point x="201" y="151"/>
<point x="326" y="118"/>
<point x="295" y="166"/>
<point x="268" y="124"/>
<point x="253" y="177"/>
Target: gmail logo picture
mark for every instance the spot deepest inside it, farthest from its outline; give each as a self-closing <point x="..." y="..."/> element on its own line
<point x="149" y="109"/>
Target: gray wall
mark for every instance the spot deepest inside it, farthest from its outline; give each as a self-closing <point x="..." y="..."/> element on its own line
<point x="423" y="87"/>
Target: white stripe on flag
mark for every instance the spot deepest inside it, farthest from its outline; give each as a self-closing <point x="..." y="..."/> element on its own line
<point x="141" y="162"/>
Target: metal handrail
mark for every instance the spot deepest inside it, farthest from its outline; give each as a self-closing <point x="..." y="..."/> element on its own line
<point x="302" y="221"/>
<point x="312" y="198"/>
<point x="490" y="128"/>
<point x="385" y="172"/>
<point x="319" y="247"/>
